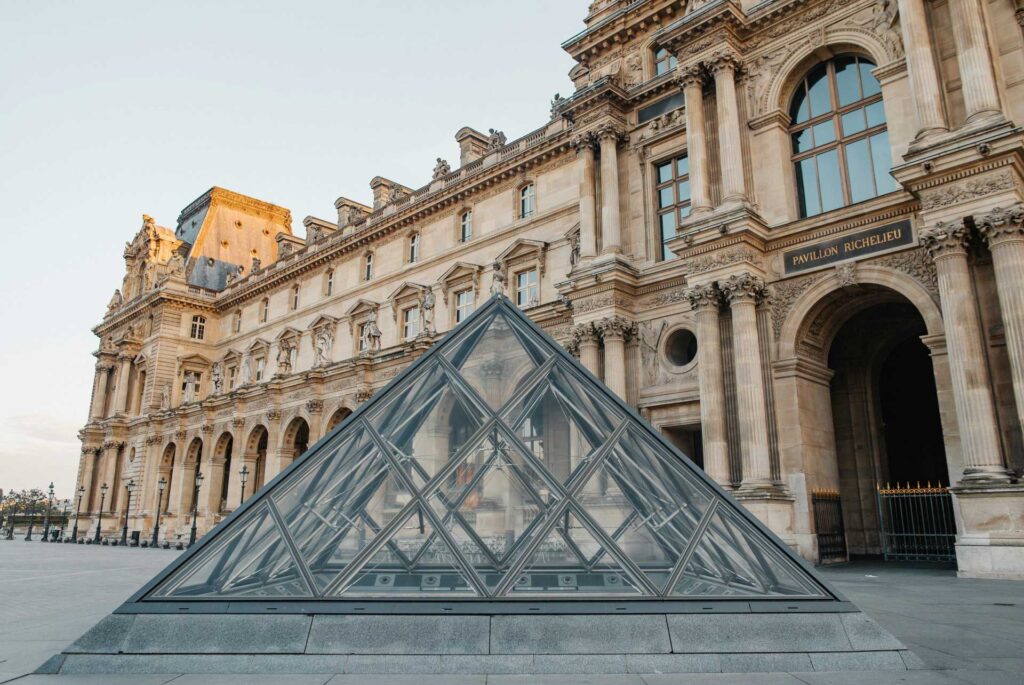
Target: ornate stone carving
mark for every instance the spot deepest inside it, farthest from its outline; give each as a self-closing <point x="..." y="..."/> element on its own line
<point x="724" y="60"/>
<point x="557" y="103"/>
<point x="616" y="327"/>
<point x="1001" y="224"/>
<point x="704" y="297"/>
<point x="669" y="297"/>
<point x="495" y="140"/>
<point x="255" y="268"/>
<point x="152" y="439"/>
<point x="189" y="393"/>
<point x="441" y="169"/>
<point x="691" y="75"/>
<point x="945" y="237"/>
<point x="916" y="264"/>
<point x="180" y="434"/>
<point x="323" y="343"/>
<point x="371" y="333"/>
<point x="238" y="421"/>
<point x="715" y="260"/>
<point x="273" y="414"/>
<point x="363" y="394"/>
<point x="650" y="338"/>
<point x="846" y="274"/>
<point x="217" y="378"/>
<point x="314" y="406"/>
<point x="206" y="428"/>
<point x="285" y="347"/>
<point x="427" y="311"/>
<point x="969" y="189"/>
<point x="498" y="279"/>
<point x="116" y="300"/>
<point x="784" y="294"/>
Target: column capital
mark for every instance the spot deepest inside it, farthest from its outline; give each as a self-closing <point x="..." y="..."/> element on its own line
<point x="744" y="287"/>
<point x="693" y="75"/>
<point x="610" y="132"/>
<point x="1002" y="224"/>
<point x="704" y="298"/>
<point x="944" y="238"/>
<point x="584" y="333"/>
<point x="585" y="140"/>
<point x="613" y="327"/>
<point x="724" y="62"/>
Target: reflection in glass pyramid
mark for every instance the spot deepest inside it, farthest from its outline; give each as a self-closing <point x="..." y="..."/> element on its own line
<point x="494" y="468"/>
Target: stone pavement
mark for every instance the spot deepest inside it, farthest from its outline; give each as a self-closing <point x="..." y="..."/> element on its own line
<point x="966" y="631"/>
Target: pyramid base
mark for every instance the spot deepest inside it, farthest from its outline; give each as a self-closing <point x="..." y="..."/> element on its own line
<point x="516" y="644"/>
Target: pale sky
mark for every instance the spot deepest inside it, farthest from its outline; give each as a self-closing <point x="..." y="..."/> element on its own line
<point x="109" y="110"/>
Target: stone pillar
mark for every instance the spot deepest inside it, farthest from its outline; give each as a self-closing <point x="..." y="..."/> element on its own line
<point x="924" y="77"/>
<point x="99" y="391"/>
<point x="124" y="367"/>
<point x="588" y="202"/>
<point x="730" y="151"/>
<point x="972" y="390"/>
<point x="1003" y="230"/>
<point x="88" y="466"/>
<point x="692" y="81"/>
<point x="614" y="330"/>
<point x="705" y="301"/>
<point x="744" y="292"/>
<point x="977" y="76"/>
<point x="611" y="227"/>
<point x="586" y="337"/>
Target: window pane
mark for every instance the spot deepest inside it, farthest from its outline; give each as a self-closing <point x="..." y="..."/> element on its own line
<point x="665" y="172"/>
<point x="876" y="114"/>
<point x="665" y="198"/>
<point x="668" y="225"/>
<point x="817" y="83"/>
<point x="684" y="190"/>
<point x="807" y="188"/>
<point x="847" y="82"/>
<point x="882" y="162"/>
<point x="867" y="79"/>
<point x="798" y="109"/>
<point x="858" y="170"/>
<point x="802" y="141"/>
<point x="824" y="133"/>
<point x="829" y="180"/>
<point x="853" y="122"/>
<point x="684" y="212"/>
<point x="683" y="166"/>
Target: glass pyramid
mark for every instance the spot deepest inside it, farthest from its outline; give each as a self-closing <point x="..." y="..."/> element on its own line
<point x="494" y="468"/>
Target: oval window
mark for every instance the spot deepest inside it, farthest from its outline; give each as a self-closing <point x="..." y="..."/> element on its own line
<point x="681" y="347"/>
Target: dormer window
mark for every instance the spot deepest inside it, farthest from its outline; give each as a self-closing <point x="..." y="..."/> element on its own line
<point x="466" y="226"/>
<point x="664" y="62"/>
<point x="527" y="201"/>
<point x="198" y="327"/>
<point x="414" y="248"/>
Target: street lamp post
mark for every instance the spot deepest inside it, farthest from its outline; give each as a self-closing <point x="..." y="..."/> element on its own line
<point x="195" y="507"/>
<point x="243" y="473"/>
<point x="99" y="521"/>
<point x="31" y="520"/>
<point x="129" y="487"/>
<point x="46" y="519"/>
<point x="78" y="510"/>
<point x="159" y="505"/>
<point x="64" y="518"/>
<point x="10" y="522"/>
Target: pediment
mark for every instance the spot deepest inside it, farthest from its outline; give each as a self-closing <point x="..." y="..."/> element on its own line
<point x="523" y="248"/>
<point x="194" y="360"/>
<point x="289" y="332"/>
<point x="258" y="345"/>
<point x="407" y="290"/>
<point x="460" y="270"/>
<point x="361" y="307"/>
<point x="322" y="320"/>
<point x="231" y="355"/>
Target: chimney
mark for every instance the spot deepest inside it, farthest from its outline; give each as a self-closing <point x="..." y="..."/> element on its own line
<point x="472" y="145"/>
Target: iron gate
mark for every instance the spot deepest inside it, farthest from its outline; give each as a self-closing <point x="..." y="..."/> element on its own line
<point x="828" y="524"/>
<point x="917" y="523"/>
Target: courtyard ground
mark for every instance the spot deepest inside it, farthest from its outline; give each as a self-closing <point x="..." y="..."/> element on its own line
<point x="965" y="631"/>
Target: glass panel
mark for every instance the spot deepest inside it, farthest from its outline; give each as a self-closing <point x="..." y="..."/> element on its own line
<point x="732" y="559"/>
<point x="253" y="561"/>
<point x="853" y="122"/>
<point x="876" y="114"/>
<point x="799" y="111"/>
<point x="858" y="170"/>
<point x="829" y="180"/>
<point x="683" y="188"/>
<point x="665" y="197"/>
<point x="668" y="225"/>
<point x="847" y="82"/>
<point x="817" y="84"/>
<point x="802" y="141"/>
<point x="807" y="187"/>
<point x="882" y="163"/>
<point x="683" y="166"/>
<point x="824" y="133"/>
<point x="665" y="172"/>
<point x="495" y="360"/>
<point x="868" y="80"/>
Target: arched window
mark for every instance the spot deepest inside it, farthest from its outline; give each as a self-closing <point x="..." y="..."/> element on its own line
<point x="414" y="248"/>
<point x="264" y="310"/>
<point x="368" y="266"/>
<point x="329" y="282"/>
<point x="527" y="201"/>
<point x="295" y="297"/>
<point x="664" y="62"/>
<point x="198" y="327"/>
<point x="466" y="226"/>
<point x="840" y="141"/>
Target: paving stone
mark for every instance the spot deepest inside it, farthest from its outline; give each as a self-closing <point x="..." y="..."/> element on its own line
<point x="673" y="663"/>
<point x="738" y="634"/>
<point x="579" y="663"/>
<point x="217" y="634"/>
<point x="762" y="663"/>
<point x="367" y="663"/>
<point x="857" y="661"/>
<point x="645" y="634"/>
<point x="297" y="663"/>
<point x="723" y="679"/>
<point x="912" y="661"/>
<point x="399" y="635"/>
<point x="155" y="663"/>
<point x="106" y="637"/>
<point x="408" y="680"/>
<point x="879" y="678"/>
<point x="252" y="679"/>
<point x="864" y="633"/>
<point x="555" y="679"/>
<point x="486" y="663"/>
<point x="104" y="679"/>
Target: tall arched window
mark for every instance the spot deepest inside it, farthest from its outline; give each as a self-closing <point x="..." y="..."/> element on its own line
<point x="368" y="266"/>
<point x="840" y="141"/>
<point x="466" y="226"/>
<point x="527" y="201"/>
<point x="414" y="248"/>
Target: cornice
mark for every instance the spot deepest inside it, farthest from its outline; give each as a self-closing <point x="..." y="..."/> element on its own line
<point x="620" y="27"/>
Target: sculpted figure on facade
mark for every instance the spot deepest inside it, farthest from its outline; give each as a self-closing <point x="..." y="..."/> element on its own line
<point x="323" y="342"/>
<point x="246" y="371"/>
<point x="650" y="336"/>
<point x="497" y="279"/>
<point x="165" y="396"/>
<point x="284" y="356"/>
<point x="495" y="140"/>
<point x="371" y="334"/>
<point x="176" y="265"/>
<point x="427" y="311"/>
<point x="115" y="301"/>
<point x="189" y="394"/>
<point x="256" y="263"/>
<point x="441" y="169"/>
<point x="217" y="378"/>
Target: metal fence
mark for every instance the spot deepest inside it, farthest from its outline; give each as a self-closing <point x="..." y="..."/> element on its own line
<point x="917" y="523"/>
<point x="828" y="524"/>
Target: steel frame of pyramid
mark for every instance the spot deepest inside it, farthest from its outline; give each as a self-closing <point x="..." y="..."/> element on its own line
<point x="665" y="535"/>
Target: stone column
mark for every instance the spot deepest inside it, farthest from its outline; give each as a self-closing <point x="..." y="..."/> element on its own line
<point x="744" y="292"/>
<point x="586" y="338"/>
<point x="1003" y="230"/>
<point x="692" y="81"/>
<point x="977" y="76"/>
<point x="124" y="367"/>
<point x="972" y="389"/>
<point x="88" y="466"/>
<point x="924" y="77"/>
<point x="705" y="301"/>
<point x="99" y="391"/>
<point x="611" y="227"/>
<point x="614" y="330"/>
<point x="588" y="202"/>
<point x="730" y="151"/>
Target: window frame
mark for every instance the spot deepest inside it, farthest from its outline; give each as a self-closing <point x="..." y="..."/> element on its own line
<point x="294" y="297"/>
<point x="329" y="283"/>
<point x="527" y="194"/>
<point x="520" y="290"/>
<point x="413" y="248"/>
<point x="265" y="310"/>
<point x="368" y="266"/>
<point x="198" y="329"/>
<point x="670" y="61"/>
<point x="678" y="204"/>
<point x="236" y="321"/>
<point x="461" y="311"/>
<point x="466" y="226"/>
<point x="410" y="318"/>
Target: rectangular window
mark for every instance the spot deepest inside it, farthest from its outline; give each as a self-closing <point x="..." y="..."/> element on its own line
<point x="466" y="227"/>
<point x="198" y="327"/>
<point x="261" y="367"/>
<point x="329" y="290"/>
<point x="664" y="62"/>
<point x="264" y="311"/>
<point x="361" y="342"/>
<point x="236" y="324"/>
<point x="232" y="376"/>
<point x="464" y="304"/>
<point x="527" y="292"/>
<point x="527" y="201"/>
<point x="295" y="298"/>
<point x="414" y="248"/>
<point x="410" y="322"/>
<point x="672" y="195"/>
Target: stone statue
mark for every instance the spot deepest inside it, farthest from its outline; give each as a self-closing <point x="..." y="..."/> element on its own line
<point x="495" y="140"/>
<point x="427" y="311"/>
<point x="395" y="194"/>
<point x="556" y="104"/>
<point x="284" y="357"/>
<point x="176" y="265"/>
<point x="255" y="268"/>
<point x="574" y="249"/>
<point x="649" y="338"/>
<point x="246" y="371"/>
<point x="497" y="279"/>
<point x="442" y="168"/>
<point x="322" y="346"/>
<point x="189" y="395"/>
<point x="115" y="301"/>
<point x="218" y="378"/>
<point x="165" y="396"/>
<point x="371" y="334"/>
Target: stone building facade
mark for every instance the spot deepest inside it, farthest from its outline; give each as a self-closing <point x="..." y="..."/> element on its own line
<point x="791" y="233"/>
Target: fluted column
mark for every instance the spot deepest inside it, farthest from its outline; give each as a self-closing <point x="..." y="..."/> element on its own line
<point x="99" y="391"/>
<point x="585" y="144"/>
<point x="614" y="331"/>
<point x="124" y="367"/>
<point x="705" y="300"/>
<point x="611" y="227"/>
<point x="977" y="76"/>
<point x="968" y="370"/>
<point x="744" y="292"/>
<point x="692" y="81"/>
<point x="585" y="337"/>
<point x="88" y="467"/>
<point x="730" y="151"/>
<point x="1003" y="230"/>
<point x="924" y="77"/>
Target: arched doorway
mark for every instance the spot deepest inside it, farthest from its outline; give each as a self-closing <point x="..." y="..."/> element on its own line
<point x="167" y="475"/>
<point x="336" y="419"/>
<point x="296" y="439"/>
<point x="256" y="457"/>
<point x="222" y="471"/>
<point x="193" y="464"/>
